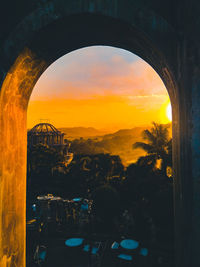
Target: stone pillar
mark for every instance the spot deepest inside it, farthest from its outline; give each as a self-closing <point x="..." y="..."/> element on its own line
<point x="15" y="90"/>
<point x="187" y="163"/>
<point x="195" y="168"/>
<point x="12" y="183"/>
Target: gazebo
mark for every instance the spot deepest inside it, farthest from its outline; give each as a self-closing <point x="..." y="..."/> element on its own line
<point x="47" y="134"/>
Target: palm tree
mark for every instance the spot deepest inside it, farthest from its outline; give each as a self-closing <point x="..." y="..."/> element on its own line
<point x="158" y="146"/>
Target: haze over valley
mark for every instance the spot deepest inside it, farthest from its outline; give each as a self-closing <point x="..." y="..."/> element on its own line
<point x="92" y="141"/>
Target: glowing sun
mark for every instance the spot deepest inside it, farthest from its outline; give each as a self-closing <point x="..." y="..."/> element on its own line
<point x="169" y="112"/>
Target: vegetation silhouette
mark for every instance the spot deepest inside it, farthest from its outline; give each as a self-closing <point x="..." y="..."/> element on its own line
<point x="135" y="201"/>
<point x="106" y="209"/>
<point x="158" y="147"/>
<point x="42" y="160"/>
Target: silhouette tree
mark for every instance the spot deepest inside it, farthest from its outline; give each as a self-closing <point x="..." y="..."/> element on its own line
<point x="40" y="163"/>
<point x="158" y="147"/>
<point x="106" y="208"/>
<point x="43" y="158"/>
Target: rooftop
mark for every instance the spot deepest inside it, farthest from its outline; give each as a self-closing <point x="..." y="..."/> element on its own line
<point x="45" y="128"/>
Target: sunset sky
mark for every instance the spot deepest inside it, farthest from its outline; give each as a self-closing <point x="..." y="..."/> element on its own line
<point x="102" y="87"/>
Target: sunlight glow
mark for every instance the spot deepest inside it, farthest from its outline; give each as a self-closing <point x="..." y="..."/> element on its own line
<point x="169" y="112"/>
<point x="166" y="112"/>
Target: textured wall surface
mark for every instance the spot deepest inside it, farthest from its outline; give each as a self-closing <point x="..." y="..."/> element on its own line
<point x="14" y="97"/>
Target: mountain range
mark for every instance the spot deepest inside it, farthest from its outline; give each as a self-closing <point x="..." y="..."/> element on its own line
<point x="84" y="132"/>
<point x="91" y="141"/>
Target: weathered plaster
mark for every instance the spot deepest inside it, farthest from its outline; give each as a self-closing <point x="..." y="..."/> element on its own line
<point x="14" y="96"/>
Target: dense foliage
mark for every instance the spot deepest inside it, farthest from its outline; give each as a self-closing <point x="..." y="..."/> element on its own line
<point x="141" y="190"/>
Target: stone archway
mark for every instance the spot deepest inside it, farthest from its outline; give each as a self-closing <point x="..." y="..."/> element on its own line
<point x="38" y="41"/>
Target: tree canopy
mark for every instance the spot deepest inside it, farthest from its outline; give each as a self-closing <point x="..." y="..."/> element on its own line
<point x="158" y="147"/>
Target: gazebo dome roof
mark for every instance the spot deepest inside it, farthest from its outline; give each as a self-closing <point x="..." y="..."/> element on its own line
<point x="44" y="128"/>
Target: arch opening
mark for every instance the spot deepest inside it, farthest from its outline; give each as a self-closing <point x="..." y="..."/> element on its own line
<point x="118" y="62"/>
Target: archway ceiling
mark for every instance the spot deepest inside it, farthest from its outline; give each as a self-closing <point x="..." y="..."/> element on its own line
<point x="117" y="17"/>
<point x="13" y="11"/>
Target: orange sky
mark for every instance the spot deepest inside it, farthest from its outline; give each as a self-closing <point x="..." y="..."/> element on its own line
<point x="101" y="87"/>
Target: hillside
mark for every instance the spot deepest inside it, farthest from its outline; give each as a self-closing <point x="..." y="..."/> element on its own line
<point x="93" y="141"/>
<point x="126" y="132"/>
<point x="84" y="132"/>
<point x="121" y="142"/>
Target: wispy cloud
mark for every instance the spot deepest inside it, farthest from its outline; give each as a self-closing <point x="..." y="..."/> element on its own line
<point x="94" y="79"/>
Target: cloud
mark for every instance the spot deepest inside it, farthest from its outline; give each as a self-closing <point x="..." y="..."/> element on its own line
<point x="96" y="79"/>
<point x="110" y="78"/>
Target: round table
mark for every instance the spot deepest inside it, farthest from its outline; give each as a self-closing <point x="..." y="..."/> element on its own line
<point x="76" y="199"/>
<point x="74" y="242"/>
<point x="84" y="207"/>
<point x="129" y="244"/>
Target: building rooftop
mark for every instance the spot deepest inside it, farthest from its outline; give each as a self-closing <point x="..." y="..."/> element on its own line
<point x="44" y="128"/>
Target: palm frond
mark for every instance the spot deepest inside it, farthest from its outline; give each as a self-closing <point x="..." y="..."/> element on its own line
<point x="158" y="146"/>
<point x="160" y="131"/>
<point x="147" y="147"/>
<point x="148" y="135"/>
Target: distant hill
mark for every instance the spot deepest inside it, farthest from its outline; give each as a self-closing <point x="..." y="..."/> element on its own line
<point x="93" y="141"/>
<point x="124" y="132"/>
<point x="121" y="142"/>
<point x="78" y="132"/>
<point x="87" y="132"/>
